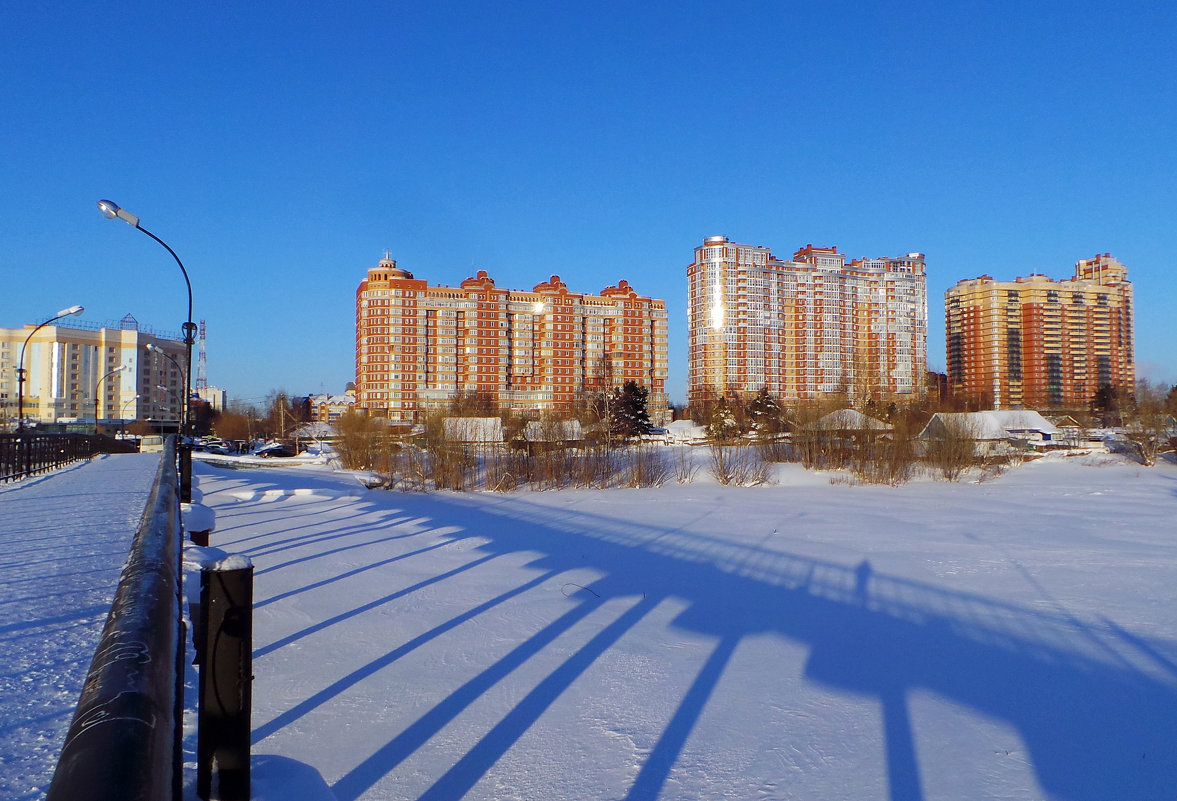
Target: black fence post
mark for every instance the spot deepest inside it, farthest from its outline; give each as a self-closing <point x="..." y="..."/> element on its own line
<point x="226" y="676"/>
<point x="184" y="449"/>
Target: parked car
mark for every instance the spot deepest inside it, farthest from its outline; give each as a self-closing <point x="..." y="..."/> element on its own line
<point x="277" y="449"/>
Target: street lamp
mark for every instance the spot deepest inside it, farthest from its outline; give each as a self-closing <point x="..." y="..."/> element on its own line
<point x="167" y="389"/>
<point x="152" y="348"/>
<point x="20" y="365"/>
<point x="111" y="211"/>
<point x="98" y="384"/>
<point x="123" y="411"/>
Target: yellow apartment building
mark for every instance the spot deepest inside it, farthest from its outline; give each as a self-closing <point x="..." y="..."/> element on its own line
<point x="1037" y="343"/>
<point x="72" y="374"/>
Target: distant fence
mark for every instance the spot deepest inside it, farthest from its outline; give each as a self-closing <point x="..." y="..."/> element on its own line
<point x="28" y="453"/>
<point x="124" y="741"/>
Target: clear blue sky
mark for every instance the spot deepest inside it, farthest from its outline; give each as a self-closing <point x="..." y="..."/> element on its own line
<point x="279" y="148"/>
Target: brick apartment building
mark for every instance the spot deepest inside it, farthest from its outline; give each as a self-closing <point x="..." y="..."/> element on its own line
<point x="1039" y="343"/>
<point x="805" y="328"/>
<point x="418" y="346"/>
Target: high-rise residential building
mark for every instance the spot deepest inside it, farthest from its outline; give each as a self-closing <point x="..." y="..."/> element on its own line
<point x="419" y="346"/>
<point x="67" y="362"/>
<point x="805" y="328"/>
<point x="1039" y="343"/>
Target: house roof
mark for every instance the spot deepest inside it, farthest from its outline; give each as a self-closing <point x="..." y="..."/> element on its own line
<point x="553" y="431"/>
<point x="994" y="424"/>
<point x="849" y="420"/>
<point x="473" y="429"/>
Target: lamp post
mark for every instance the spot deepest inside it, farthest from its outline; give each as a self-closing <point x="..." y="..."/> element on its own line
<point x="152" y="348"/>
<point x="111" y="211"/>
<point x="20" y="365"/>
<point x="167" y="389"/>
<point x="98" y="384"/>
<point x="123" y="411"/>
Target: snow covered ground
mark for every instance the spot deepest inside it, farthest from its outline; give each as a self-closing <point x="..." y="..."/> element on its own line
<point x="64" y="538"/>
<point x="1011" y="639"/>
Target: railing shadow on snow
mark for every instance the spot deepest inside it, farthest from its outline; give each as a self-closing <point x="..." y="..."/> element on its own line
<point x="868" y="633"/>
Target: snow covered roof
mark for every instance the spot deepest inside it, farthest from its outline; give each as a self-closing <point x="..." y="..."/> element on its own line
<point x="849" y="420"/>
<point x="553" y="431"/>
<point x="315" y="429"/>
<point x="993" y="424"/>
<point x="332" y="400"/>
<point x="685" y="431"/>
<point x="473" y="429"/>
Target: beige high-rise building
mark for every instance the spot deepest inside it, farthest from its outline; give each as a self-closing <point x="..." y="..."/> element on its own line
<point x="418" y="346"/>
<point x="805" y="328"/>
<point x="67" y="362"/>
<point x="1039" y="343"/>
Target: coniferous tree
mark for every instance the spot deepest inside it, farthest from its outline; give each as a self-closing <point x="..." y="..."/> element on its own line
<point x="723" y="425"/>
<point x="765" y="414"/>
<point x="628" y="414"/>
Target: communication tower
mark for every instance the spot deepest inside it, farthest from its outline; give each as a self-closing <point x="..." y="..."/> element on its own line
<point x="201" y="360"/>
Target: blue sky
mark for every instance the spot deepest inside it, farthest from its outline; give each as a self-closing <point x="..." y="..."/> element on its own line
<point x="279" y="148"/>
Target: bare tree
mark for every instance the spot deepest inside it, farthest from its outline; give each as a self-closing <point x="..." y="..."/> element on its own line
<point x="1147" y="422"/>
<point x="952" y="446"/>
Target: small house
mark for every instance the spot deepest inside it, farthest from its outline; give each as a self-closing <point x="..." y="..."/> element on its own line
<point x="685" y="432"/>
<point x="994" y="431"/>
<point x="542" y="435"/>
<point x="473" y="430"/>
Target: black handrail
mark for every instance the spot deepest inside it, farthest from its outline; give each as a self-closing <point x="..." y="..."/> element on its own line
<point x="27" y="454"/>
<point x="124" y="741"/>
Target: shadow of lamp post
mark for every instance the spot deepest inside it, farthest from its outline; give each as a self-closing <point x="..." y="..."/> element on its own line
<point x="111" y="211"/>
<point x="20" y="365"/>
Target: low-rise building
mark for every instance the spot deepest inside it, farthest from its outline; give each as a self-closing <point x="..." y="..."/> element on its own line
<point x="994" y="430"/>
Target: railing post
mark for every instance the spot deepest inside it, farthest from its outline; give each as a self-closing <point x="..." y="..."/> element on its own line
<point x="226" y="676"/>
<point x="184" y="449"/>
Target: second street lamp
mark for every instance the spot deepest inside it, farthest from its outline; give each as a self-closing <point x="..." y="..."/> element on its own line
<point x="20" y="365"/>
<point x="172" y="392"/>
<point x="98" y="384"/>
<point x="156" y="349"/>
<point x="123" y="411"/>
<point x="111" y="211"/>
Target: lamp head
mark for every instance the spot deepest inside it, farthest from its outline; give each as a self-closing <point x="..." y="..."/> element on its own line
<point x="150" y="346"/>
<point x="110" y="210"/>
<point x="71" y="310"/>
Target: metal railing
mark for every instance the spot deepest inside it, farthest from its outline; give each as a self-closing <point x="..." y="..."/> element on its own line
<point x="125" y="738"/>
<point x="28" y="454"/>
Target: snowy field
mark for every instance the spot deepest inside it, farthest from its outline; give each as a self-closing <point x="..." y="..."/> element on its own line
<point x="1012" y="639"/>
